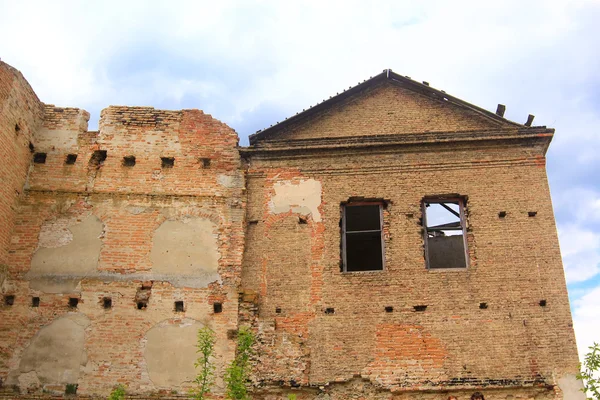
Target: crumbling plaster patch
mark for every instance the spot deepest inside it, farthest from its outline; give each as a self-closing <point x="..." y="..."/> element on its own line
<point x="56" y="354"/>
<point x="66" y="251"/>
<point x="571" y="388"/>
<point x="170" y="352"/>
<point x="186" y="247"/>
<point x="303" y="197"/>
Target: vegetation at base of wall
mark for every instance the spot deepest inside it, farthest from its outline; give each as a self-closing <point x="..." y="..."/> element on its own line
<point x="237" y="375"/>
<point x="71" y="388"/>
<point x="118" y="393"/>
<point x="590" y="372"/>
<point x="291" y="397"/>
<point x="205" y="350"/>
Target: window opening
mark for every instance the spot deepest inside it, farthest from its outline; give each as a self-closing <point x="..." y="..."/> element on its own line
<point x="362" y="241"/>
<point x="445" y="233"/>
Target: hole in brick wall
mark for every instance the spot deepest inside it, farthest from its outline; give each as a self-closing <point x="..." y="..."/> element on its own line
<point x="167" y="162"/>
<point x="532" y="213"/>
<point x="483" y="306"/>
<point x="330" y="310"/>
<point x="39" y="158"/>
<point x="70" y="159"/>
<point x="107" y="303"/>
<point x="205" y="162"/>
<point x="9" y="299"/>
<point x="35" y="302"/>
<point x="389" y="309"/>
<point x="31" y="147"/>
<point x="141" y="305"/>
<point x="73" y="301"/>
<point x="217" y="308"/>
<point x="253" y="222"/>
<point x="410" y="215"/>
<point x="98" y="157"/>
<point x="302" y="220"/>
<point x="231" y="334"/>
<point x="128" y="161"/>
<point x="179" y="306"/>
<point x="502" y="214"/>
<point x="278" y="310"/>
<point x="17" y="128"/>
<point x="542" y="303"/>
<point x="420" y="308"/>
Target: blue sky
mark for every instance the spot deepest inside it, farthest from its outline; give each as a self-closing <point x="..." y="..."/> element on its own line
<point x="251" y="64"/>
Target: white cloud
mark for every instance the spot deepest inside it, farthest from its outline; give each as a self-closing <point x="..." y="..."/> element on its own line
<point x="580" y="250"/>
<point x="586" y="320"/>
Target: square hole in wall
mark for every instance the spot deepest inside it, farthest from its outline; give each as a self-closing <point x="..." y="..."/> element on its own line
<point x="141" y="305"/>
<point x="278" y="310"/>
<point x="483" y="306"/>
<point x="9" y="299"/>
<point x="98" y="157"/>
<point x="179" y="306"/>
<point x="167" y="162"/>
<point x="128" y="161"/>
<point x="542" y="303"/>
<point x="70" y="159"/>
<point x="73" y="302"/>
<point x="205" y="162"/>
<point x="420" y="308"/>
<point x="106" y="303"/>
<point x="330" y="310"/>
<point x="35" y="302"/>
<point x="39" y="158"/>
<point x="389" y="309"/>
<point x="532" y="213"/>
<point x="502" y="214"/>
<point x="217" y="308"/>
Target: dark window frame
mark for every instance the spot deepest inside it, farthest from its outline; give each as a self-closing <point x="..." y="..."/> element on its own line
<point x="462" y="202"/>
<point x="344" y="232"/>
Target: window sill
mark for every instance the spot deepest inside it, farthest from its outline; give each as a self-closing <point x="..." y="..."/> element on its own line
<point x="447" y="269"/>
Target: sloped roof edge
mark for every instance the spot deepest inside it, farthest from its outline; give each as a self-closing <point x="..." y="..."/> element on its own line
<point x="388" y="75"/>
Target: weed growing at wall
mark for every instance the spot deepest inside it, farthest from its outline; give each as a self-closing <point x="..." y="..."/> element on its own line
<point x="205" y="349"/>
<point x="238" y="373"/>
<point x="118" y="393"/>
<point x="590" y="373"/>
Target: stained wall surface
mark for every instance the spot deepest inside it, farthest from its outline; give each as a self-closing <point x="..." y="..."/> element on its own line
<point x="107" y="248"/>
<point x="483" y="327"/>
<point x="116" y="246"/>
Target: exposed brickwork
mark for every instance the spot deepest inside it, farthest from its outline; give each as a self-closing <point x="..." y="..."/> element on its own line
<point x="262" y="237"/>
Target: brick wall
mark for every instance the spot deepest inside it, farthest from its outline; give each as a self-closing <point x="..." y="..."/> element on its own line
<point x="21" y="114"/>
<point x="318" y="325"/>
<point x="95" y="229"/>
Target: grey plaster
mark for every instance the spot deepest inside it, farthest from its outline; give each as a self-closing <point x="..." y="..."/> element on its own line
<point x="571" y="388"/>
<point x="186" y="247"/>
<point x="170" y="352"/>
<point x="303" y="197"/>
<point x="56" y="354"/>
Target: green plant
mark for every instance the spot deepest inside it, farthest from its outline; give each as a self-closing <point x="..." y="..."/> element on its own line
<point x="71" y="388"/>
<point x="118" y="393"/>
<point x="237" y="375"/>
<point x="205" y="349"/>
<point x="590" y="372"/>
<point x="291" y="397"/>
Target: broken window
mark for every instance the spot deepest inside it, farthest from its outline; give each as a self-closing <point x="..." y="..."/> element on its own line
<point x="362" y="241"/>
<point x="445" y="232"/>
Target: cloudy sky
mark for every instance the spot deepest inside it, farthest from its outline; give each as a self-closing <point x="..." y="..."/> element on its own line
<point x="251" y="64"/>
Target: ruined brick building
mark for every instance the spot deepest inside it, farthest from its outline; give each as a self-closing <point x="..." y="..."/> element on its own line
<point x="392" y="242"/>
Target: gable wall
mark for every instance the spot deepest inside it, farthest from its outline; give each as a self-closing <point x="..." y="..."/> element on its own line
<point x="387" y="109"/>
